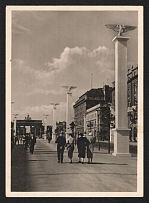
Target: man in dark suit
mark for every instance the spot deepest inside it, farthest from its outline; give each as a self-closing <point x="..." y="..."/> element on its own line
<point x="61" y="142"/>
<point x="32" y="143"/>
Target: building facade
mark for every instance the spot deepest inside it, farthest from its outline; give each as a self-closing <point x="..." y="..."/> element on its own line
<point x="132" y="102"/>
<point x="132" y="85"/>
<point x="88" y="100"/>
<point x="95" y="121"/>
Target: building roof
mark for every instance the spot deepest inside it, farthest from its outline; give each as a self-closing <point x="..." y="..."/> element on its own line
<point x="91" y="92"/>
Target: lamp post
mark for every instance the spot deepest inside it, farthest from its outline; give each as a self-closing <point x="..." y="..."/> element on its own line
<point x="45" y="123"/>
<point x="54" y="120"/>
<point x="69" y="88"/>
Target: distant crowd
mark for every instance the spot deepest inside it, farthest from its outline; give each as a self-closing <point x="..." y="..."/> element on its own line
<point x="28" y="140"/>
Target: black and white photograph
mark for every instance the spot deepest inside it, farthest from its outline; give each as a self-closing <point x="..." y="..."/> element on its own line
<point x="74" y="101"/>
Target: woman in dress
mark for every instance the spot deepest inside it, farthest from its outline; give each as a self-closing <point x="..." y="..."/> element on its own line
<point x="70" y="147"/>
<point x="90" y="147"/>
<point x="81" y="144"/>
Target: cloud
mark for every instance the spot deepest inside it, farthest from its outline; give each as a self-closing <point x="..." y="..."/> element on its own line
<point x="38" y="111"/>
<point x="17" y="28"/>
<point x="73" y="67"/>
<point x="70" y="56"/>
<point x="34" y="76"/>
<point x="17" y="25"/>
<point x="45" y="92"/>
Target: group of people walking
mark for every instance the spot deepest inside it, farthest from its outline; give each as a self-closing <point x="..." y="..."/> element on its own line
<point x="84" y="142"/>
<point x="31" y="141"/>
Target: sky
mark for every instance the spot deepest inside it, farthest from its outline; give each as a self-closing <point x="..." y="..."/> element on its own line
<point x="51" y="49"/>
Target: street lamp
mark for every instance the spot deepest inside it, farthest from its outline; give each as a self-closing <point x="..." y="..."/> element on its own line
<point x="54" y="126"/>
<point x="69" y="88"/>
<point x="45" y="121"/>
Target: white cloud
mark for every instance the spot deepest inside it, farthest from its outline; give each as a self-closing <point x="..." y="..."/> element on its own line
<point x="70" y="56"/>
<point x="45" y="92"/>
<point x="74" y="67"/>
<point x="31" y="76"/>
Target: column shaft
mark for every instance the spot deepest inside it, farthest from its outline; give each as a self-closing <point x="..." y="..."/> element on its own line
<point x="53" y="134"/>
<point x="121" y="131"/>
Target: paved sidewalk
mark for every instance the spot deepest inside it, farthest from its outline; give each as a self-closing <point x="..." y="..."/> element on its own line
<point x="41" y="172"/>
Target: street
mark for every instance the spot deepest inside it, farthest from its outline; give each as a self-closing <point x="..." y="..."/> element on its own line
<point x="40" y="172"/>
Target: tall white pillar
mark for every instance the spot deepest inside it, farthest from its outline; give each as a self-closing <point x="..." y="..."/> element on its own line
<point x="54" y="120"/>
<point x="45" y="125"/>
<point x="15" y="125"/>
<point x="53" y="133"/>
<point x="121" y="131"/>
<point x="45" y="121"/>
<point x="68" y="115"/>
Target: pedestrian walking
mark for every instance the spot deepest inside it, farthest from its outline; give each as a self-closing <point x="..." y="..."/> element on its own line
<point x="61" y="142"/>
<point x="26" y="141"/>
<point x="81" y="144"/>
<point x="135" y="134"/>
<point x="18" y="138"/>
<point x="32" y="143"/>
<point x="49" y="137"/>
<point x="70" y="147"/>
<point x="90" y="147"/>
<point x="12" y="142"/>
<point x="130" y="134"/>
<point x="34" y="137"/>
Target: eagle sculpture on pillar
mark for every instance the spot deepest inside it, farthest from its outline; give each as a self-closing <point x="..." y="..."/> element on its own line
<point x="54" y="105"/>
<point x="121" y="29"/>
<point x="69" y="88"/>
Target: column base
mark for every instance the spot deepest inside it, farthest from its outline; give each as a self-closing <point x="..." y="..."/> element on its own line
<point x="121" y="154"/>
<point x="121" y="142"/>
